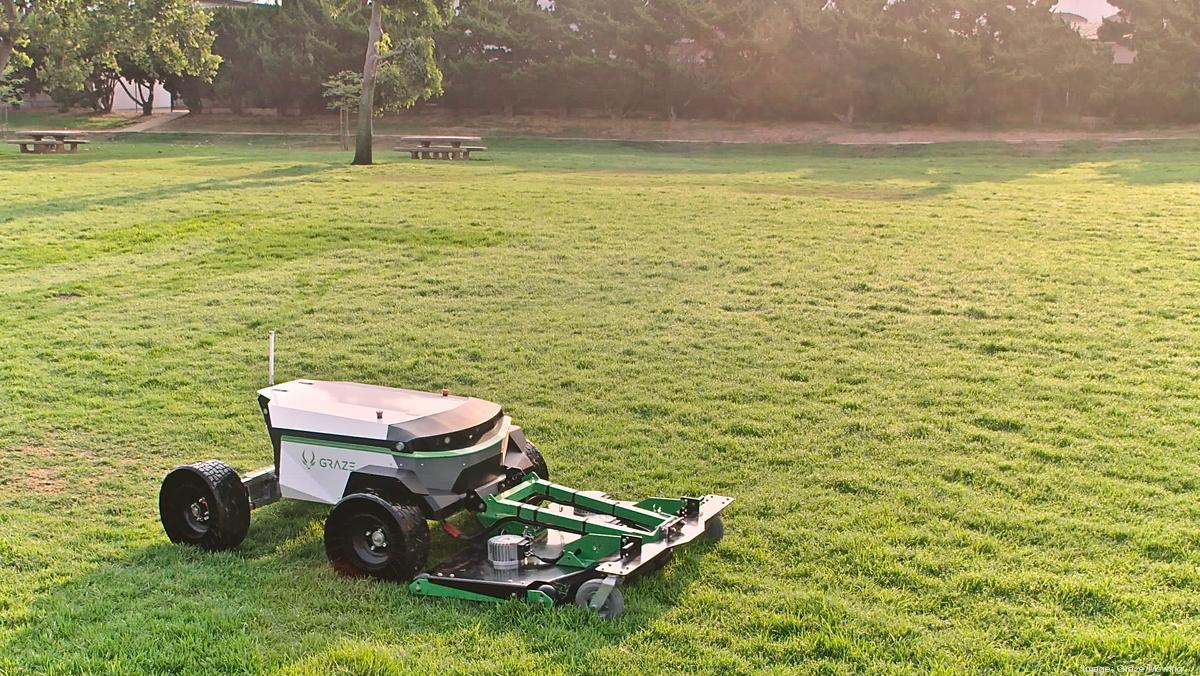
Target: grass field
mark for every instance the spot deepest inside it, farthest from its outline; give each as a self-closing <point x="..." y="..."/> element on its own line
<point x="18" y="120"/>
<point x="952" y="388"/>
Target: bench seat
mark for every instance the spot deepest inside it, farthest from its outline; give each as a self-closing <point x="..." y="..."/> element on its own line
<point x="440" y="152"/>
<point x="29" y="145"/>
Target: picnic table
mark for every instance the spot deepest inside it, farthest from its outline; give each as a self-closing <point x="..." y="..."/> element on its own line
<point x="440" y="147"/>
<point x="51" y="141"/>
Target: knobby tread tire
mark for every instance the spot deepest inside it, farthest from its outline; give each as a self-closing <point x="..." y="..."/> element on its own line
<point x="538" y="462"/>
<point x="229" y="511"/>
<point x="416" y="540"/>
<point x="403" y="519"/>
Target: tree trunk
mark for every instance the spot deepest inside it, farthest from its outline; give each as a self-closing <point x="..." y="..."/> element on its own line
<point x="366" y="105"/>
<point x="148" y="102"/>
<point x="1038" y="111"/>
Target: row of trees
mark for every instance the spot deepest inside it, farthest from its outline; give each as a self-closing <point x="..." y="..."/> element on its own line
<point x="885" y="60"/>
<point x="1164" y="83"/>
<point x="81" y="52"/>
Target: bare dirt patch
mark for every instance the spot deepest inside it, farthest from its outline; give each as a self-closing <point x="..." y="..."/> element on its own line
<point x="43" y="480"/>
<point x="37" y="451"/>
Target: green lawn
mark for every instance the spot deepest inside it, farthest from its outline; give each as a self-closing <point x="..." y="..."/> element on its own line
<point x="954" y="390"/>
<point x="18" y="120"/>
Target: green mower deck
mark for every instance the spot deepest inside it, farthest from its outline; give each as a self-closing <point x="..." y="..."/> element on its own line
<point x="578" y="546"/>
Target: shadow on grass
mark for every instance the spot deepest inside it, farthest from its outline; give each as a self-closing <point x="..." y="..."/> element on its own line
<point x="1171" y="164"/>
<point x="941" y="167"/>
<point x="277" y="177"/>
<point x="275" y="602"/>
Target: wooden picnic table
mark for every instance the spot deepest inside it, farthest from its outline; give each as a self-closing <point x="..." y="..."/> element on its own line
<point x="428" y="141"/>
<point x="59" y="135"/>
<point x="50" y="141"/>
<point x="425" y="147"/>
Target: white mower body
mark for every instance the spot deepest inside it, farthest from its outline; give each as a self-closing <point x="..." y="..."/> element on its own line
<point x="326" y="432"/>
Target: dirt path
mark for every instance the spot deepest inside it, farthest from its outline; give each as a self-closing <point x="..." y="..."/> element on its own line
<point x="155" y="121"/>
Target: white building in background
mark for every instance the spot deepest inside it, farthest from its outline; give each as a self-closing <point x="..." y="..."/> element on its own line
<point x="1087" y="17"/>
<point x="1091" y="10"/>
<point x="124" y="103"/>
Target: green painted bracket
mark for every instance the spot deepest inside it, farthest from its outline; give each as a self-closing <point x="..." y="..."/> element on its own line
<point x="540" y="598"/>
<point x="662" y="505"/>
<point x="427" y="587"/>
<point x="589" y="550"/>
<point x="518" y="510"/>
<point x="512" y="504"/>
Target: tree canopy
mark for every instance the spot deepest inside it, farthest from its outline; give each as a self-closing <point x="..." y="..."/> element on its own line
<point x="1164" y="81"/>
<point x="871" y="60"/>
<point x="81" y="51"/>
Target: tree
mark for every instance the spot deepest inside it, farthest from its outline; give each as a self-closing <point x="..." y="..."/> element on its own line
<point x="278" y="56"/>
<point x="91" y="48"/>
<point x="13" y="29"/>
<point x="1164" y="80"/>
<point x="501" y="53"/>
<point x="12" y="35"/>
<point x="11" y="88"/>
<point x="161" y="38"/>
<point x="342" y="92"/>
<point x="403" y="63"/>
<point x="617" y="56"/>
<point x="1037" y="59"/>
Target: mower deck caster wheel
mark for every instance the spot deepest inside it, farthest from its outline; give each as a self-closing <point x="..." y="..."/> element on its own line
<point x="714" y="529"/>
<point x="204" y="505"/>
<point x="536" y="459"/>
<point x="613" y="606"/>
<point x="367" y="535"/>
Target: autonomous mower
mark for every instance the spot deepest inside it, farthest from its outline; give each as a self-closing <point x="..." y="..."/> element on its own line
<point x="391" y="460"/>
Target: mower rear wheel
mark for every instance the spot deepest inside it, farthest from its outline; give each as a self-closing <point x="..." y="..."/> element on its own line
<point x="368" y="536"/>
<point x="613" y="606"/>
<point x="204" y="505"/>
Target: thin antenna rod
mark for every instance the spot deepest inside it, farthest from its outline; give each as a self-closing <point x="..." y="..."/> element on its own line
<point x="270" y="358"/>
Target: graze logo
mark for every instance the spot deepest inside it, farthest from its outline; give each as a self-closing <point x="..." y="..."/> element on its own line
<point x="310" y="459"/>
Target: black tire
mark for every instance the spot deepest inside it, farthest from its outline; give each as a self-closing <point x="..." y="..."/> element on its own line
<point x="714" y="529"/>
<point x="659" y="561"/>
<point x="369" y="536"/>
<point x="204" y="505"/>
<point x="613" y="606"/>
<point x="539" y="466"/>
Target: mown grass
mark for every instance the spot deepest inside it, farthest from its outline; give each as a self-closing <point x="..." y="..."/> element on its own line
<point x="22" y="119"/>
<point x="953" y="390"/>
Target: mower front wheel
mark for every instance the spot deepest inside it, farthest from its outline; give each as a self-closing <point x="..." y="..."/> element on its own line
<point x="612" y="607"/>
<point x="205" y="505"/>
<point x="367" y="535"/>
